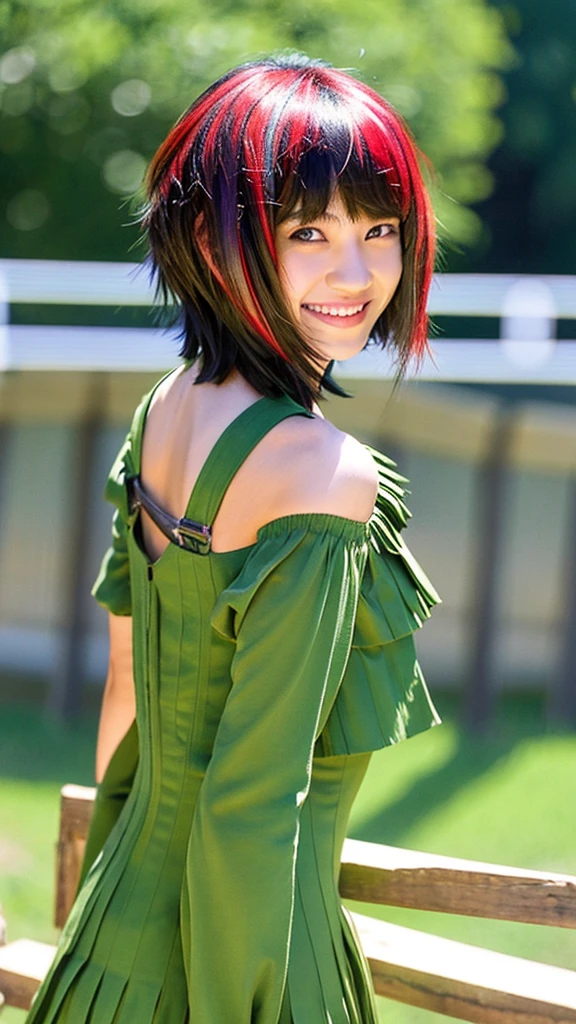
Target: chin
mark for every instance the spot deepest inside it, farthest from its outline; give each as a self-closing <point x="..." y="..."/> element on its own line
<point x="344" y="351"/>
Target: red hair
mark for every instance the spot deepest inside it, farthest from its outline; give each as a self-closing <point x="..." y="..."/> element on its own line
<point x="266" y="138"/>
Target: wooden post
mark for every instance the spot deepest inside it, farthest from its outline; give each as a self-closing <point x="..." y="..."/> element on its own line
<point x="562" y="705"/>
<point x="479" y="696"/>
<point x="76" y="809"/>
<point x="65" y="694"/>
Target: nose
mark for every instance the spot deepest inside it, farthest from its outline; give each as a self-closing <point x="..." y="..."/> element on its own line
<point x="349" y="272"/>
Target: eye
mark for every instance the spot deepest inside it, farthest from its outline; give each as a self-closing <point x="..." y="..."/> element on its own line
<point x="389" y="229"/>
<point x="303" y="235"/>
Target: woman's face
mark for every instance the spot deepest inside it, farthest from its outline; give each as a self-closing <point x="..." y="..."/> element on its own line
<point x="338" y="276"/>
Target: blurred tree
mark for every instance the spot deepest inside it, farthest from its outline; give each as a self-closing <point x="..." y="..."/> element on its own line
<point x="88" y="91"/>
<point x="530" y="219"/>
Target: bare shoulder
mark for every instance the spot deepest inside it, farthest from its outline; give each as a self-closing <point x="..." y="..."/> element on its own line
<point x="319" y="468"/>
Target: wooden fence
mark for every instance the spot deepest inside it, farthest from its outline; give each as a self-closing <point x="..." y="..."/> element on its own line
<point x="409" y="966"/>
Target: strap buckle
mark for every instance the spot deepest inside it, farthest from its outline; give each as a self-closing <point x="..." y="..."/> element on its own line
<point x="193" y="536"/>
<point x="186" y="533"/>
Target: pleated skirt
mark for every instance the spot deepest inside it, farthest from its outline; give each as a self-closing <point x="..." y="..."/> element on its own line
<point x="328" y="980"/>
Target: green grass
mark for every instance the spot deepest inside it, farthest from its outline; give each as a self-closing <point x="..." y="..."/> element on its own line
<point x="505" y="798"/>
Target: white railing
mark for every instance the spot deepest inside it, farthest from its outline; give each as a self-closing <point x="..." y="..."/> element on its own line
<point x="528" y="308"/>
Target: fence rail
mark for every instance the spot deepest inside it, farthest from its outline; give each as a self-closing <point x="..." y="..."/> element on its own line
<point x="528" y="308"/>
<point x="407" y="965"/>
<point x="70" y="282"/>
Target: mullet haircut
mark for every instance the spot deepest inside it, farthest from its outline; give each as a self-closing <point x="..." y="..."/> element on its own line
<point x="269" y="139"/>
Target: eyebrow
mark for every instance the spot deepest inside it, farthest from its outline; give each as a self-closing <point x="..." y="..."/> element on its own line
<point x="332" y="217"/>
<point x="324" y="216"/>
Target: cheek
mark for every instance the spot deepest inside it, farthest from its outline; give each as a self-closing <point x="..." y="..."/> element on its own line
<point x="399" y="264"/>
<point x="295" y="277"/>
<point x="390" y="267"/>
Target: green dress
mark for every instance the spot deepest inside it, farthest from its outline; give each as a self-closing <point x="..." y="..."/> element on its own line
<point x="265" y="677"/>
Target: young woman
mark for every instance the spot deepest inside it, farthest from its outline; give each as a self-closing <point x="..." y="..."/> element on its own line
<point x="262" y="599"/>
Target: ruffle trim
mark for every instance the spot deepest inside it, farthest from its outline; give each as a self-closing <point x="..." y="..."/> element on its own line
<point x="396" y="596"/>
<point x="383" y="698"/>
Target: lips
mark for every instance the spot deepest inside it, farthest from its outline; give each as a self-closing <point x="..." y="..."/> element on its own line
<point x="334" y="310"/>
<point x="341" y="315"/>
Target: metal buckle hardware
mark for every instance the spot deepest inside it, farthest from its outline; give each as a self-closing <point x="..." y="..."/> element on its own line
<point x="186" y="533"/>
<point x="193" y="536"/>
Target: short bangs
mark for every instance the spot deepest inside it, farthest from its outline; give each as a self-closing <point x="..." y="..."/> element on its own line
<point x="272" y="139"/>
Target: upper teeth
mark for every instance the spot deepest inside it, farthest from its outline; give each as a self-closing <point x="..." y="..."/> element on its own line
<point x="335" y="310"/>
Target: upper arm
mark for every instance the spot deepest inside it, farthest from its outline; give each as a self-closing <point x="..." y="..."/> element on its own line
<point x="322" y="469"/>
<point x="120" y="671"/>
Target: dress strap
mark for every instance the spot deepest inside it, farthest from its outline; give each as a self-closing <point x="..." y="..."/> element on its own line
<point x="232" y="448"/>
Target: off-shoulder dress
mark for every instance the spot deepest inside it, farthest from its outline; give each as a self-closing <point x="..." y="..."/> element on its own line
<point x="265" y="677"/>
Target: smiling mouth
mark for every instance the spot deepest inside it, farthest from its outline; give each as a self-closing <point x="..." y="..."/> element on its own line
<point x="336" y="311"/>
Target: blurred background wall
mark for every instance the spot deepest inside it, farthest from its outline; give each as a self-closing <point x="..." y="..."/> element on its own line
<point x="489" y="89"/>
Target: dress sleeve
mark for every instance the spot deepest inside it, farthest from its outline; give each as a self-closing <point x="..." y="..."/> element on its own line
<point x="383" y="698"/>
<point x="112" y="585"/>
<point x="290" y="613"/>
